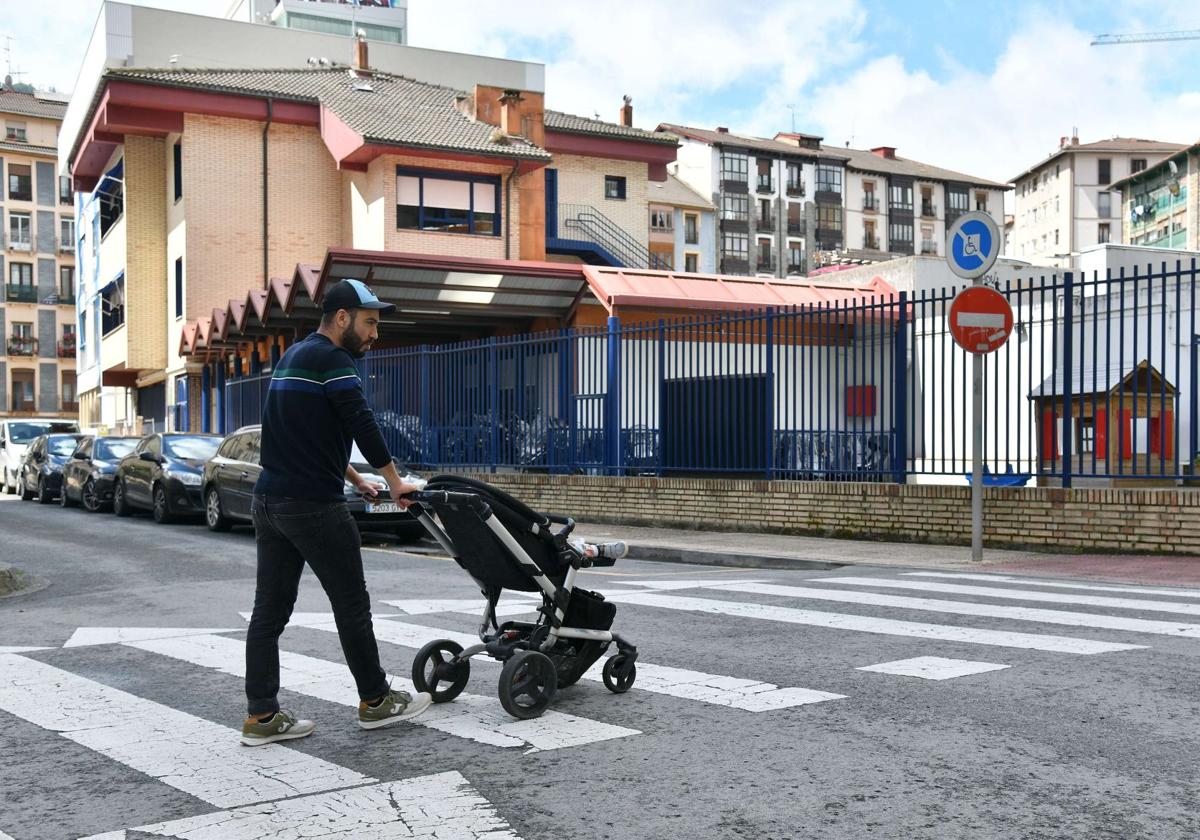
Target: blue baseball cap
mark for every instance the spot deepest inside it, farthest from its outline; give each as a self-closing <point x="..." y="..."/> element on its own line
<point x="353" y="294"/>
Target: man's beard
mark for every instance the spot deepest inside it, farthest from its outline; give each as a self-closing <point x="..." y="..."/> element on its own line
<point x="354" y="345"/>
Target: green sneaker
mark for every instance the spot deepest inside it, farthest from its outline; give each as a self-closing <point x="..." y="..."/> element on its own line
<point x="393" y="707"/>
<point x="281" y="726"/>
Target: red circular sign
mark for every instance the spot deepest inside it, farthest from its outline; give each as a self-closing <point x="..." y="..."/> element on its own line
<point x="980" y="319"/>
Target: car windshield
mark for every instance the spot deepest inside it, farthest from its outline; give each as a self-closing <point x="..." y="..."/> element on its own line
<point x="62" y="445"/>
<point x="113" y="450"/>
<point x="25" y="432"/>
<point x="197" y="448"/>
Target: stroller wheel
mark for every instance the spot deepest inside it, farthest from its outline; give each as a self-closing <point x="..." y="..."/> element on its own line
<point x="527" y="684"/>
<point x="614" y="680"/>
<point x="434" y="671"/>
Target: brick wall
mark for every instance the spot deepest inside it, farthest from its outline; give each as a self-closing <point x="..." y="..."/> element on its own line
<point x="1110" y="520"/>
<point x="581" y="181"/>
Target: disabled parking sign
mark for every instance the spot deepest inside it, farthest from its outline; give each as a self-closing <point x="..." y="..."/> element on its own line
<point x="972" y="245"/>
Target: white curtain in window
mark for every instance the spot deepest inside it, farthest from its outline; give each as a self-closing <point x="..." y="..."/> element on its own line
<point x="408" y="191"/>
<point x="485" y="198"/>
<point x="451" y="195"/>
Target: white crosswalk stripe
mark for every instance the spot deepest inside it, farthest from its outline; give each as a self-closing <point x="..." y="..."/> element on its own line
<point x="477" y="718"/>
<point x="1019" y="594"/>
<point x="933" y="668"/>
<point x="1058" y="584"/>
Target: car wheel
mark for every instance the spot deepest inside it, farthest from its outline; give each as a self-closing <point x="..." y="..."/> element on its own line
<point x="120" y="502"/>
<point x="44" y="496"/>
<point x="214" y="517"/>
<point x="161" y="512"/>
<point x="64" y="498"/>
<point x="91" y="497"/>
<point x="26" y="494"/>
<point x="410" y="532"/>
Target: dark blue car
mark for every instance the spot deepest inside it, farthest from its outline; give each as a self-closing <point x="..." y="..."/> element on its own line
<point x="40" y="476"/>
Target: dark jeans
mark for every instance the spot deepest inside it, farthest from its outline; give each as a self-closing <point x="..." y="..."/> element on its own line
<point x="290" y="533"/>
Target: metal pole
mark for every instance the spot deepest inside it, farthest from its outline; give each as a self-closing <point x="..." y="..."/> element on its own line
<point x="977" y="458"/>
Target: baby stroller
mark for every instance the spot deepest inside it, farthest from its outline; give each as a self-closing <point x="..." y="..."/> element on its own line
<point x="503" y="544"/>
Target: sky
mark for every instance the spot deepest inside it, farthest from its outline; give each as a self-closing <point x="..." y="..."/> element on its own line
<point x="980" y="86"/>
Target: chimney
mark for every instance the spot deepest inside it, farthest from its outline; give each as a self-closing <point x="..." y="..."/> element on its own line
<point x="510" y="112"/>
<point x="1062" y="142"/>
<point x="627" y="112"/>
<point x="885" y="152"/>
<point x="360" y="53"/>
<point x="722" y="129"/>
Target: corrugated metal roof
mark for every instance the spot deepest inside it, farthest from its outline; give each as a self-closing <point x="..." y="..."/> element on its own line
<point x="572" y="124"/>
<point x="383" y="108"/>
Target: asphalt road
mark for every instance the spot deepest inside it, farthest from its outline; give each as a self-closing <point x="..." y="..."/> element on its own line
<point x="751" y="717"/>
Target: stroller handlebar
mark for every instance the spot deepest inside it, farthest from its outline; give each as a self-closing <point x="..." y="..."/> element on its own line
<point x="479" y="504"/>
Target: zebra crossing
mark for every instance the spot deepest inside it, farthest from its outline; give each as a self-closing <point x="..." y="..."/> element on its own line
<point x="283" y="792"/>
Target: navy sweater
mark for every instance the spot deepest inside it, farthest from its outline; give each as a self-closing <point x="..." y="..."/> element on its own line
<point x="315" y="408"/>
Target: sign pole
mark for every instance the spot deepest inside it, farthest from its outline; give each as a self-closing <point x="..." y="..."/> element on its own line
<point x="980" y="321"/>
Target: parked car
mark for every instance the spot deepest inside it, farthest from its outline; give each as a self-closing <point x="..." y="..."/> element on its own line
<point x="15" y="437"/>
<point x="88" y="476"/>
<point x="230" y="474"/>
<point x="40" y="475"/>
<point x="163" y="475"/>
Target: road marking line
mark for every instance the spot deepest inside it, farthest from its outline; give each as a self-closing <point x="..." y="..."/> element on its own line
<point x="20" y="650"/>
<point x="880" y="626"/>
<point x="181" y="750"/>
<point x="439" y="805"/>
<point x="671" y="585"/>
<point x="933" y="668"/>
<point x="1034" y="614"/>
<point x="1019" y="594"/>
<point x="1174" y="593"/>
<point x="85" y="636"/>
<point x="474" y="717"/>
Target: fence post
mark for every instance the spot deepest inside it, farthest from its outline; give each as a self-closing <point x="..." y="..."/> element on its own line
<point x="662" y="397"/>
<point x="900" y="395"/>
<point x="206" y="399"/>
<point x="423" y="408"/>
<point x="274" y="355"/>
<point x="612" y="400"/>
<point x="769" y="347"/>
<point x="222" y="422"/>
<point x="558" y="449"/>
<point x="1195" y="405"/>
<point x="1068" y="433"/>
<point x="255" y="362"/>
<point x="493" y="402"/>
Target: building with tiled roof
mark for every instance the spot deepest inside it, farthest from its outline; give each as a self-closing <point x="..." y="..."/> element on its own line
<point x="1068" y="202"/>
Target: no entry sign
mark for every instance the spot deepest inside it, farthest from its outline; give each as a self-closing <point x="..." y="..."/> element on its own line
<point x="980" y="319"/>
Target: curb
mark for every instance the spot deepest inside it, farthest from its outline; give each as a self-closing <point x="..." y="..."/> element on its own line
<point x="11" y="580"/>
<point x="669" y="554"/>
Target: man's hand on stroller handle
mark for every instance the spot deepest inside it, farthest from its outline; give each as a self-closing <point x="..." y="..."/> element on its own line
<point x="398" y="488"/>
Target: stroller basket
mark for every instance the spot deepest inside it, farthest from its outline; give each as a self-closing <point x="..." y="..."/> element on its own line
<point x="503" y="544"/>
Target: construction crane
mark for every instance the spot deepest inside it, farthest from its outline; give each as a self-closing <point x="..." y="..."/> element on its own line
<point x="1143" y="37"/>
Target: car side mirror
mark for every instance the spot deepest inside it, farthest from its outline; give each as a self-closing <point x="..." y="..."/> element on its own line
<point x="148" y="456"/>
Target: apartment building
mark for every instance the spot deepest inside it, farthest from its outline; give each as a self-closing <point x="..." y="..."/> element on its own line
<point x="683" y="228"/>
<point x="777" y="202"/>
<point x="599" y="186"/>
<point x="1161" y="203"/>
<point x="1067" y="202"/>
<point x="895" y="206"/>
<point x="377" y="20"/>
<point x="37" y="261"/>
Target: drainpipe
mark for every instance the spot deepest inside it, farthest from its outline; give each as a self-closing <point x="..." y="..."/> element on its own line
<point x="508" y="207"/>
<point x="265" y="196"/>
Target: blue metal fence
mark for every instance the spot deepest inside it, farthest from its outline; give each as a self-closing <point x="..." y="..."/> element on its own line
<point x="1097" y="382"/>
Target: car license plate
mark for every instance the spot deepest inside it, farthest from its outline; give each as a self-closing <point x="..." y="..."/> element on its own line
<point x="383" y="507"/>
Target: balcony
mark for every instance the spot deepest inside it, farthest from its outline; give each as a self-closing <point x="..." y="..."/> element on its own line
<point x="766" y="184"/>
<point x="735" y="265"/>
<point x="20" y="293"/>
<point x="70" y="407"/>
<point x="765" y="221"/>
<point x="765" y="265"/>
<point x="732" y="185"/>
<point x="795" y="268"/>
<point x="870" y="204"/>
<point x="66" y="348"/>
<point x="63" y="298"/>
<point x="25" y="245"/>
<point x="928" y="210"/>
<point x="22" y="346"/>
<point x="66" y="247"/>
<point x="795" y="227"/>
<point x="928" y="246"/>
<point x="795" y="189"/>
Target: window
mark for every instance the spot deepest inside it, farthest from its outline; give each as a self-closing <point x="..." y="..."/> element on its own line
<point x="66" y="282"/>
<point x="112" y="305"/>
<point x="1104" y="173"/>
<point x="691" y="263"/>
<point x="735" y="207"/>
<point x="900" y="197"/>
<point x="179" y="287"/>
<point x="735" y="167"/>
<point x="1104" y="205"/>
<point x="981" y="202"/>
<point x="69" y="398"/>
<point x="22" y="329"/>
<point x="900" y="236"/>
<point x="454" y="204"/>
<point x="661" y="220"/>
<point x="765" y="182"/>
<point x="20" y="182"/>
<point x="691" y="228"/>
<point x="795" y="258"/>
<point x="829" y="217"/>
<point x="65" y="194"/>
<point x="20" y="274"/>
<point x="1056" y="236"/>
<point x="957" y="203"/>
<point x="795" y="217"/>
<point x="765" y="219"/>
<point x="66" y="234"/>
<point x="870" y="242"/>
<point x="1085" y="435"/>
<point x="1137" y="165"/>
<point x="20" y="231"/>
<point x="22" y="390"/>
<point x="765" y="263"/>
<point x="112" y="204"/>
<point x="614" y="187"/>
<point x="795" y="182"/>
<point x="1057" y="169"/>
<point x="662" y="260"/>
<point x="1103" y="235"/>
<point x="14" y="132"/>
<point x="178" y="168"/>
<point x="829" y="178"/>
<point x="736" y="246"/>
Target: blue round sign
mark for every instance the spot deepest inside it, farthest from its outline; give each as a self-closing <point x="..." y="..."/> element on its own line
<point x="973" y="243"/>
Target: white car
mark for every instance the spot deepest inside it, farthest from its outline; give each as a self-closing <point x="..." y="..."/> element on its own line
<point x="15" y="437"/>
